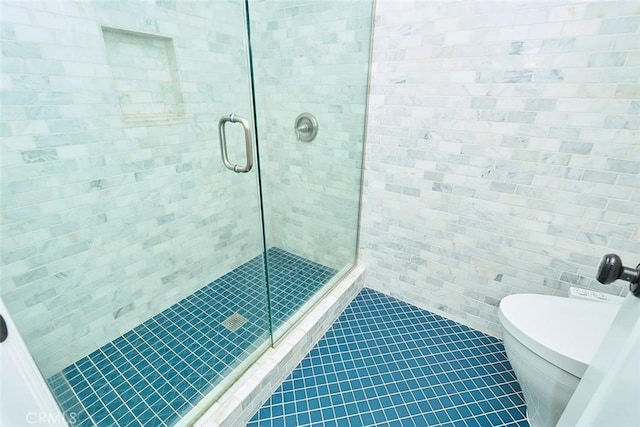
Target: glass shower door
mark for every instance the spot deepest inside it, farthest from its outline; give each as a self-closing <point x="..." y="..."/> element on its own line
<point x="132" y="258"/>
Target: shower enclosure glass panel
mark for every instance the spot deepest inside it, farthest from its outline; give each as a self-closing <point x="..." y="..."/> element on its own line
<point x="132" y="259"/>
<point x="310" y="57"/>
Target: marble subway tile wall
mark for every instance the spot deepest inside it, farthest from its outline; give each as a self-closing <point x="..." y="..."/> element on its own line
<point x="312" y="57"/>
<point x="115" y="203"/>
<point x="503" y="151"/>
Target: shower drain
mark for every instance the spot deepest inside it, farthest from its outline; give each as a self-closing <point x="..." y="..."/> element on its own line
<point x="234" y="322"/>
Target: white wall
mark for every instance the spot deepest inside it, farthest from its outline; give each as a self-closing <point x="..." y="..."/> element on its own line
<point x="607" y="393"/>
<point x="503" y="150"/>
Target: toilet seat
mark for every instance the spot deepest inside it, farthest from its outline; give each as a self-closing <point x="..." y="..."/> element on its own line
<point x="566" y="332"/>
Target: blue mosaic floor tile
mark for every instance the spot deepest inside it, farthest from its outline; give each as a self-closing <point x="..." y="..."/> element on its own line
<point x="156" y="372"/>
<point x="385" y="362"/>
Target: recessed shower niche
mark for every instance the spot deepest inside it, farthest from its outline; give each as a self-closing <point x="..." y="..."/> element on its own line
<point x="145" y="74"/>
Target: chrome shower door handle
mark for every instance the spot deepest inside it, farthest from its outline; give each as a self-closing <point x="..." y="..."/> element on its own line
<point x="246" y="126"/>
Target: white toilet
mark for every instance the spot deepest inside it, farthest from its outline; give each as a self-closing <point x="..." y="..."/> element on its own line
<point x="550" y="341"/>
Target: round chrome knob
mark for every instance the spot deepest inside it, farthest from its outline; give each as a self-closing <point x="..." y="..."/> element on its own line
<point x="306" y="127"/>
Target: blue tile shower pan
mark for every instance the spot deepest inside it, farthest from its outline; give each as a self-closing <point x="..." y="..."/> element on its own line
<point x="388" y="363"/>
<point x="153" y="374"/>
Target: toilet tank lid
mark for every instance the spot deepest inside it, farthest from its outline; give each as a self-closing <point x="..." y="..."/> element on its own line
<point x="565" y="332"/>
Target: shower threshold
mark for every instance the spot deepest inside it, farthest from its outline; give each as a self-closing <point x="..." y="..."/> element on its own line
<point x="157" y="372"/>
